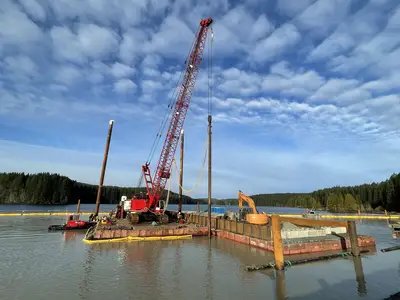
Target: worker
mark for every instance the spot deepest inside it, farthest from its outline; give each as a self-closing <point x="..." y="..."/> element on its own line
<point x="180" y="217"/>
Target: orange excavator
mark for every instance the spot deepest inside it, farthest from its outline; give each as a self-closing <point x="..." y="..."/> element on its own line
<point x="254" y="217"/>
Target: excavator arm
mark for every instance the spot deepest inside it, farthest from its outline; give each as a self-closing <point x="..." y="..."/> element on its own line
<point x="243" y="197"/>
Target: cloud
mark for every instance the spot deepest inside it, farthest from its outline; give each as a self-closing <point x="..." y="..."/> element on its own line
<point x="269" y="48"/>
<point x="125" y="85"/>
<point x="16" y="28"/>
<point x="328" y="13"/>
<point x="89" y="42"/>
<point x="292" y="8"/>
<point x="289" y="82"/>
<point x="68" y="75"/>
<point x="361" y="27"/>
<point x="332" y="88"/>
<point x="376" y="54"/>
<point x="121" y="70"/>
<point x="34" y="9"/>
<point x="298" y="87"/>
<point x="20" y="65"/>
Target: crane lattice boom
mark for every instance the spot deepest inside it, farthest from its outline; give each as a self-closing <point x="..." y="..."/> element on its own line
<point x="156" y="185"/>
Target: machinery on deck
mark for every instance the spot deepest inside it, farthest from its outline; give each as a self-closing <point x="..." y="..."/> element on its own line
<point x="252" y="217"/>
<point x="73" y="223"/>
<point x="147" y="206"/>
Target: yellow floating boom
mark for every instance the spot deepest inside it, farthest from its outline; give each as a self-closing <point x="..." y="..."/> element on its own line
<point x="42" y="214"/>
<point x="139" y="239"/>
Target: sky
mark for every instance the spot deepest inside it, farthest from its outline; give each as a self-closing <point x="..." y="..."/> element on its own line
<point x="305" y="93"/>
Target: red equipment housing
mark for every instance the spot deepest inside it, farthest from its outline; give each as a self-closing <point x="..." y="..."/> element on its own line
<point x="155" y="185"/>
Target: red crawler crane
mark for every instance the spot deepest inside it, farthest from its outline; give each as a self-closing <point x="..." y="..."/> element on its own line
<point x="147" y="206"/>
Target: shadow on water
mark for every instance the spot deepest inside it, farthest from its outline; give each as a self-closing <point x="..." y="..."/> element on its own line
<point x="326" y="289"/>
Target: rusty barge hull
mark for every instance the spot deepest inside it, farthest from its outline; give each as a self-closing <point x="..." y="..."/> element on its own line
<point x="107" y="233"/>
<point x="300" y="246"/>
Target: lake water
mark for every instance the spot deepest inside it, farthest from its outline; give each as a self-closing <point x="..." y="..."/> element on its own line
<point x="36" y="264"/>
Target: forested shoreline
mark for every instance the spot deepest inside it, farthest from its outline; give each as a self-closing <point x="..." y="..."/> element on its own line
<point x="53" y="189"/>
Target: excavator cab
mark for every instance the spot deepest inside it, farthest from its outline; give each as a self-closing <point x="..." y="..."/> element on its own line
<point x="242" y="214"/>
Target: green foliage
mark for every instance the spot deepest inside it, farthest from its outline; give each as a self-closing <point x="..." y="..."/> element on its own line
<point x="367" y="197"/>
<point x="46" y="188"/>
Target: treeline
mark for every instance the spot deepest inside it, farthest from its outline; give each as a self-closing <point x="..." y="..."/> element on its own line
<point x="46" y="188"/>
<point x="366" y="197"/>
<point x="376" y="196"/>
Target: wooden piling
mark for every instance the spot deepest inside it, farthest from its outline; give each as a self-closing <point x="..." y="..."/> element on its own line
<point x="209" y="175"/>
<point x="103" y="168"/>
<point x="352" y="230"/>
<point x="277" y="237"/>
<point x="78" y="208"/>
<point x="181" y="171"/>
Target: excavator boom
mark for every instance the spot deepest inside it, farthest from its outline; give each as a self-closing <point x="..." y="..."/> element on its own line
<point x="242" y="196"/>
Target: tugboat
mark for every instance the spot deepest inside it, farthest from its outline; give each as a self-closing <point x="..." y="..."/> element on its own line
<point x="73" y="223"/>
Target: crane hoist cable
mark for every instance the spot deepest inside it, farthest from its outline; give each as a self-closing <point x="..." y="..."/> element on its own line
<point x="210" y="71"/>
<point x="170" y="105"/>
<point x="200" y="177"/>
<point x="167" y="115"/>
<point x="169" y="191"/>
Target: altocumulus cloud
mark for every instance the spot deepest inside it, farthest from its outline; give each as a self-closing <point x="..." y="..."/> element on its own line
<point x="305" y="93"/>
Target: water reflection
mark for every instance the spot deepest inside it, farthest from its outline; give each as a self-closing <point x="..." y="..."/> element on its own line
<point x="70" y="235"/>
<point x="151" y="264"/>
<point x="360" y="278"/>
<point x="209" y="273"/>
<point x="84" y="286"/>
<point x="280" y="285"/>
<point x="280" y="281"/>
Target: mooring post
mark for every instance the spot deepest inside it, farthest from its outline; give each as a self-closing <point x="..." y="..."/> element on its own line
<point x="78" y="208"/>
<point x="103" y="168"/>
<point x="209" y="175"/>
<point x="181" y="171"/>
<point x="198" y="206"/>
<point x="353" y="238"/>
<point x="278" y="247"/>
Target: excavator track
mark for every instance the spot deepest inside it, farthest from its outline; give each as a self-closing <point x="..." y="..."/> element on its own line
<point x="163" y="219"/>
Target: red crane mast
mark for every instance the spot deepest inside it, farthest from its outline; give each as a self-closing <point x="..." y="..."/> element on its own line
<point x="155" y="185"/>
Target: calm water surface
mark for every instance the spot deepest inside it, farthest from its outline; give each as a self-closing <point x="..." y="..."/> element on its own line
<point x="36" y="264"/>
